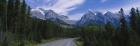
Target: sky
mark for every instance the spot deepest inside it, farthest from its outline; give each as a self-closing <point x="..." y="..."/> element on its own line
<point x="75" y="9"/>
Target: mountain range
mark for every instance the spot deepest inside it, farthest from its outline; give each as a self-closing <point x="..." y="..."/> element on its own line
<point x="88" y="18"/>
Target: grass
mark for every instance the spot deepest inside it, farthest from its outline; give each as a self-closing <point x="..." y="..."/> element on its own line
<point x="49" y="40"/>
<point x="79" y="42"/>
<point x="42" y="42"/>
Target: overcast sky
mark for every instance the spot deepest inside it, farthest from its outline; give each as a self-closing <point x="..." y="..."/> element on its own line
<point x="76" y="8"/>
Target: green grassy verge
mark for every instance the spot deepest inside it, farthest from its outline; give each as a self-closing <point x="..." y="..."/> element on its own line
<point x="79" y="42"/>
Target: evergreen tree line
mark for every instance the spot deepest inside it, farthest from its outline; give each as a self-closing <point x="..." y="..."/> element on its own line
<point x="128" y="34"/>
<point x="18" y="28"/>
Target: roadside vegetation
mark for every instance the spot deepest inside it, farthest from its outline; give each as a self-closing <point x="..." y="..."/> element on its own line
<point x="18" y="28"/>
<point x="127" y="34"/>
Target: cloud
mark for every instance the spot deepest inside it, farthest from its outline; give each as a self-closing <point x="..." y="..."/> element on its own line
<point x="126" y="8"/>
<point x="59" y="6"/>
<point x="64" y="6"/>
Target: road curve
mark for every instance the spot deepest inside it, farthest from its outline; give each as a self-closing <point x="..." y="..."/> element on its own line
<point x="62" y="42"/>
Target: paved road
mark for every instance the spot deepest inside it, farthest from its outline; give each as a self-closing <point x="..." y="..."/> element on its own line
<point x="62" y="42"/>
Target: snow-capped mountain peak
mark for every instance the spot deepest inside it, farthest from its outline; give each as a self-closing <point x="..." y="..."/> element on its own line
<point x="92" y="17"/>
<point x="99" y="18"/>
<point x="37" y="13"/>
<point x="54" y="17"/>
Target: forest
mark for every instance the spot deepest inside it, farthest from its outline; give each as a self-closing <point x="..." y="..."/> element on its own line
<point x="18" y="28"/>
<point x="127" y="34"/>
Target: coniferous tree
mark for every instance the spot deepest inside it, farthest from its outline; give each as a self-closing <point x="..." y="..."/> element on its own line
<point x="3" y="5"/>
<point x="138" y="12"/>
<point x="17" y="14"/>
<point x="24" y="7"/>
<point x="134" y="38"/>
<point x="133" y="19"/>
<point x="122" y="37"/>
<point x="123" y="23"/>
<point x="138" y="21"/>
<point x="109" y="27"/>
<point x="3" y="14"/>
<point x="110" y="30"/>
<point x="10" y="15"/>
<point x="29" y="10"/>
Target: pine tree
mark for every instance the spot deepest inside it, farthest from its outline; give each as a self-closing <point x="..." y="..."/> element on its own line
<point x="3" y="14"/>
<point x="133" y="19"/>
<point x="17" y="14"/>
<point x="29" y="10"/>
<point x="24" y="7"/>
<point x="123" y="23"/>
<point x="17" y="7"/>
<point x="10" y="15"/>
<point x="24" y="15"/>
<point x="138" y="12"/>
<point x="10" y="8"/>
<point x="123" y="36"/>
<point x="110" y="30"/>
<point x="138" y="21"/>
<point x="2" y="7"/>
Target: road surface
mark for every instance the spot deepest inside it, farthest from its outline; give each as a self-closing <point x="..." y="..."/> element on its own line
<point x="62" y="42"/>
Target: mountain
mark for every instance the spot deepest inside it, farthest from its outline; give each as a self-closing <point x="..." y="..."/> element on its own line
<point x="37" y="14"/>
<point x="100" y="19"/>
<point x="112" y="18"/>
<point x="92" y="17"/>
<point x="50" y="15"/>
<point x="58" y="19"/>
<point x="88" y="18"/>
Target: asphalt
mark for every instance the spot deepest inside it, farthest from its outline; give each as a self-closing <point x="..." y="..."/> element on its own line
<point x="62" y="42"/>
